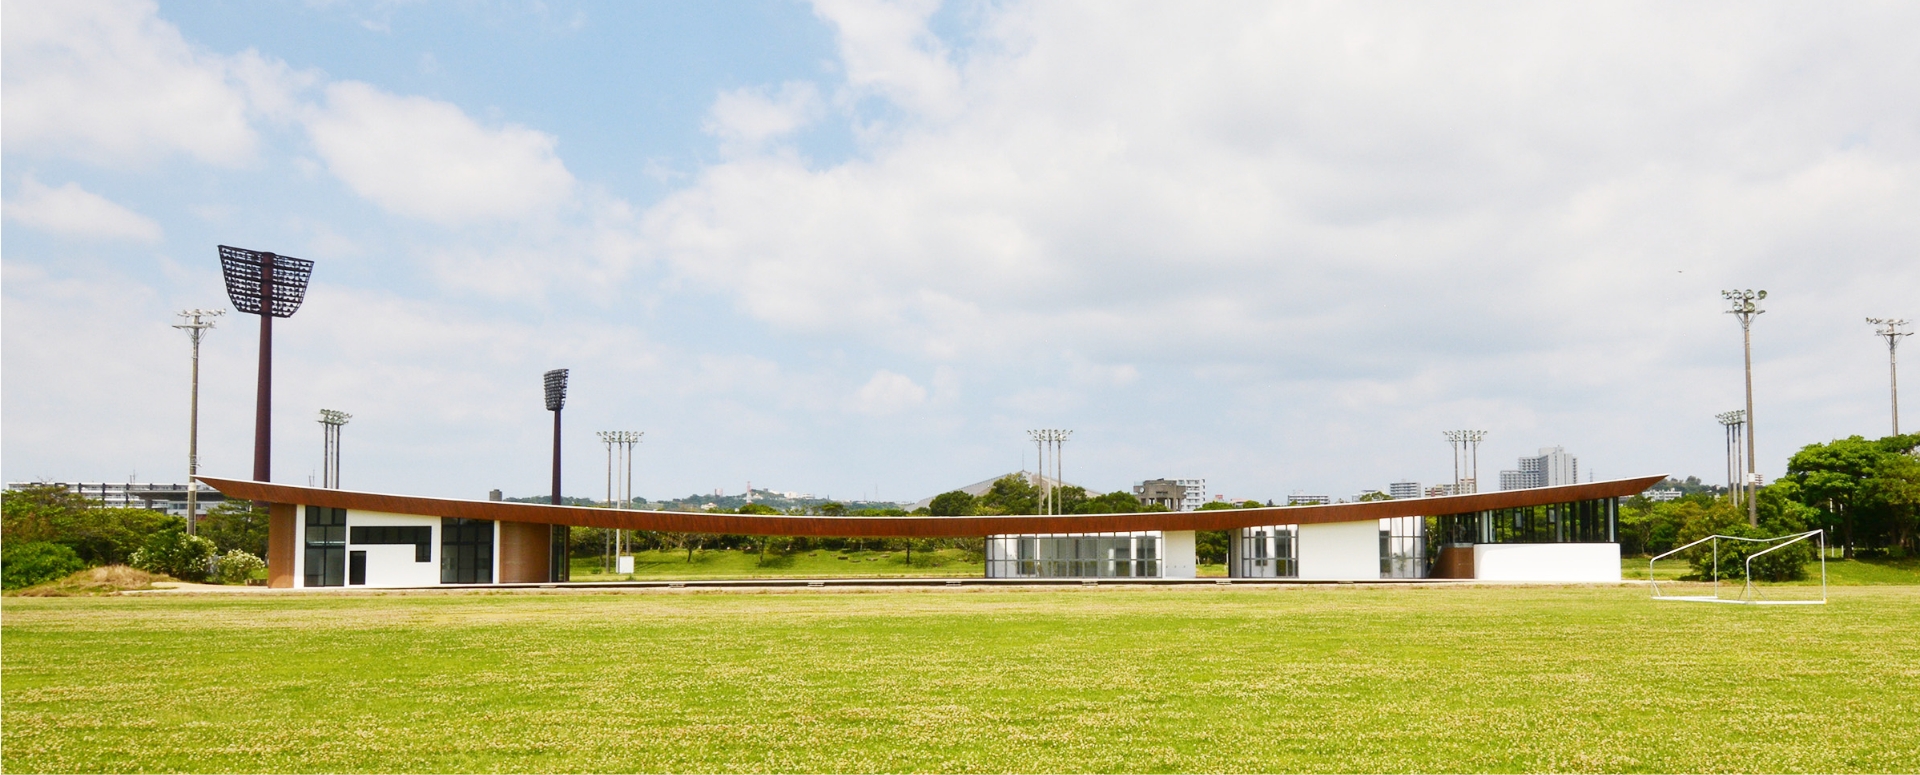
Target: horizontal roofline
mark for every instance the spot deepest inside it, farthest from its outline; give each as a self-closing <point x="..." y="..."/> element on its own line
<point x="921" y="526"/>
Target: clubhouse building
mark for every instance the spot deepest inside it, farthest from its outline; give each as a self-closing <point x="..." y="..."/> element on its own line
<point x="320" y="537"/>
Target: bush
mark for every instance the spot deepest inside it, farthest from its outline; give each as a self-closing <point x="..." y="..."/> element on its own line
<point x="99" y="535"/>
<point x="236" y="524"/>
<point x="36" y="562"/>
<point x="176" y="554"/>
<point x="237" y="566"/>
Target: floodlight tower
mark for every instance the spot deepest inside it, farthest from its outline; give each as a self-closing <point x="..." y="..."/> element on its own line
<point x="195" y="322"/>
<point x="1039" y="438"/>
<point x="1059" y="445"/>
<point x="1733" y="421"/>
<point x="330" y="421"/>
<point x="1892" y="333"/>
<point x="271" y="286"/>
<point x="556" y="385"/>
<point x="1466" y="455"/>
<point x="1746" y="304"/>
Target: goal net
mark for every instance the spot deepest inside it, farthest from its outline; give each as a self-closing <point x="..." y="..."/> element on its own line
<point x="1745" y="589"/>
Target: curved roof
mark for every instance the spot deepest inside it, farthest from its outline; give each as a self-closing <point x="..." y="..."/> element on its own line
<point x="920" y="527"/>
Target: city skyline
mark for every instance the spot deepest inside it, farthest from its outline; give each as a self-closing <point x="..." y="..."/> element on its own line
<point x="831" y="246"/>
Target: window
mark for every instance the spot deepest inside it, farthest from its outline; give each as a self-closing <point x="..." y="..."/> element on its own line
<point x="1087" y="555"/>
<point x="1593" y="521"/>
<point x="466" y="551"/>
<point x="326" y="547"/>
<point x="1403" y="548"/>
<point x="357" y="568"/>
<point x="1267" y="552"/>
<point x="377" y="535"/>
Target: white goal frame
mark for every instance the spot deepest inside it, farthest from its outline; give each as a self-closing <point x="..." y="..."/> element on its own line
<point x="1749" y="594"/>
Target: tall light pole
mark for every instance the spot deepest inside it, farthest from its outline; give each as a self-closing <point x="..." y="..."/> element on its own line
<point x="271" y="286"/>
<point x="1733" y="421"/>
<point x="1040" y="466"/>
<point x="1746" y="304"/>
<point x="1059" y="474"/>
<point x="622" y="443"/>
<point x="1466" y="455"/>
<point x="195" y="322"/>
<point x="1892" y="333"/>
<point x="331" y="420"/>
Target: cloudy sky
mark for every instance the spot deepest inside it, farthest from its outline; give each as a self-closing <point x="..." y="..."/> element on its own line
<point x="856" y="248"/>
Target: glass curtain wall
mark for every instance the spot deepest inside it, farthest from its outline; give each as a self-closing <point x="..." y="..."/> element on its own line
<point x="1403" y="548"/>
<point x="326" y="560"/>
<point x="1269" y="552"/>
<point x="1079" y="555"/>
<point x="1580" y="522"/>
<point x="466" y="551"/>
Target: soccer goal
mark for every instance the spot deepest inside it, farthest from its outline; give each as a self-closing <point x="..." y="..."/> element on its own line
<point x="1750" y="593"/>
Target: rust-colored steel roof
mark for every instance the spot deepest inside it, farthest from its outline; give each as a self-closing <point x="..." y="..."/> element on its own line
<point x="919" y="527"/>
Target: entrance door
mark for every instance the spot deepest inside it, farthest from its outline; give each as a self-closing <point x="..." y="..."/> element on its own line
<point x="357" y="568"/>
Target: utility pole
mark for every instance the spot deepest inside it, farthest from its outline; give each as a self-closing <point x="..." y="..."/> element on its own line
<point x="1892" y="333"/>
<point x="1466" y="455"/>
<point x="1746" y="304"/>
<point x="1733" y="421"/>
<point x="195" y="322"/>
<point x="331" y="420"/>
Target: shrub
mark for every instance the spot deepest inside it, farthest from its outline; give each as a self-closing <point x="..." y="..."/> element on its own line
<point x="99" y="535"/>
<point x="237" y="566"/>
<point x="176" y="554"/>
<point x="36" y="562"/>
<point x="236" y="524"/>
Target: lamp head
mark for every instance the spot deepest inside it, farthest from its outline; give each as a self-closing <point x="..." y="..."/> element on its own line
<point x="556" y="384"/>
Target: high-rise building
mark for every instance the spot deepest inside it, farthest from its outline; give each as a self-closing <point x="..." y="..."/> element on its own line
<point x="1551" y="468"/>
<point x="1404" y="489"/>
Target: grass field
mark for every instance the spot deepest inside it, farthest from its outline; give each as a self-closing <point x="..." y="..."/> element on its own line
<point x="1333" y="678"/>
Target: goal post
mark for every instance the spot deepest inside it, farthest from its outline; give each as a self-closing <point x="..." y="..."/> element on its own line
<point x="1750" y="594"/>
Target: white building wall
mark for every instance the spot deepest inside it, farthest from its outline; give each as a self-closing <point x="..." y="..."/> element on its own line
<point x="394" y="565"/>
<point x="1196" y="493"/>
<point x="1546" y="562"/>
<point x="1340" y="551"/>
<point x="1179" y="554"/>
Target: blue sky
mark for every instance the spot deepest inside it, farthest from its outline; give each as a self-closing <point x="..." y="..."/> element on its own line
<point x="856" y="248"/>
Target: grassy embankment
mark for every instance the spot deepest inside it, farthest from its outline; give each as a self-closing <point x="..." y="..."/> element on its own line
<point x="1857" y="572"/>
<point x="1350" y="678"/>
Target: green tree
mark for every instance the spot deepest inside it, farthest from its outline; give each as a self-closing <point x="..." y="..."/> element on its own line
<point x="1892" y="491"/>
<point x="36" y="562"/>
<point x="957" y="503"/>
<point x="99" y="535"/>
<point x="236" y="524"/>
<point x="1010" y="494"/>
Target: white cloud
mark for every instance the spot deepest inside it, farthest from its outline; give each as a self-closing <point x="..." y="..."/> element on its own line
<point x="428" y="159"/>
<point x="108" y="81"/>
<point x="887" y="49"/>
<point x="745" y="119"/>
<point x="888" y="392"/>
<point x="76" y="212"/>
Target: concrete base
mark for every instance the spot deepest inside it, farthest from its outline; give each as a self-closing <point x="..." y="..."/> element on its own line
<point x="1340" y="551"/>
<point x="1546" y="562"/>
<point x="1178" y="555"/>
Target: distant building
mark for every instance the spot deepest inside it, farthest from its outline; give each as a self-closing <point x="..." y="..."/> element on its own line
<point x="1551" y="468"/>
<point x="1193" y="493"/>
<point x="164" y="498"/>
<point x="1466" y="487"/>
<point x="1302" y="499"/>
<point x="1165" y="493"/>
<point x="1404" y="489"/>
<point x="1662" y="496"/>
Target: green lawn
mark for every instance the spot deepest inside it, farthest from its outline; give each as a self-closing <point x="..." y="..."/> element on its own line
<point x="1324" y="678"/>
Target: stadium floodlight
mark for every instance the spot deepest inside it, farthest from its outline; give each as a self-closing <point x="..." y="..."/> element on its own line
<point x="271" y="286"/>
<point x="330" y="421"/>
<point x="1733" y="421"/>
<point x="1745" y="307"/>
<point x="196" y="322"/>
<point x="556" y="385"/>
<point x="1891" y="331"/>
